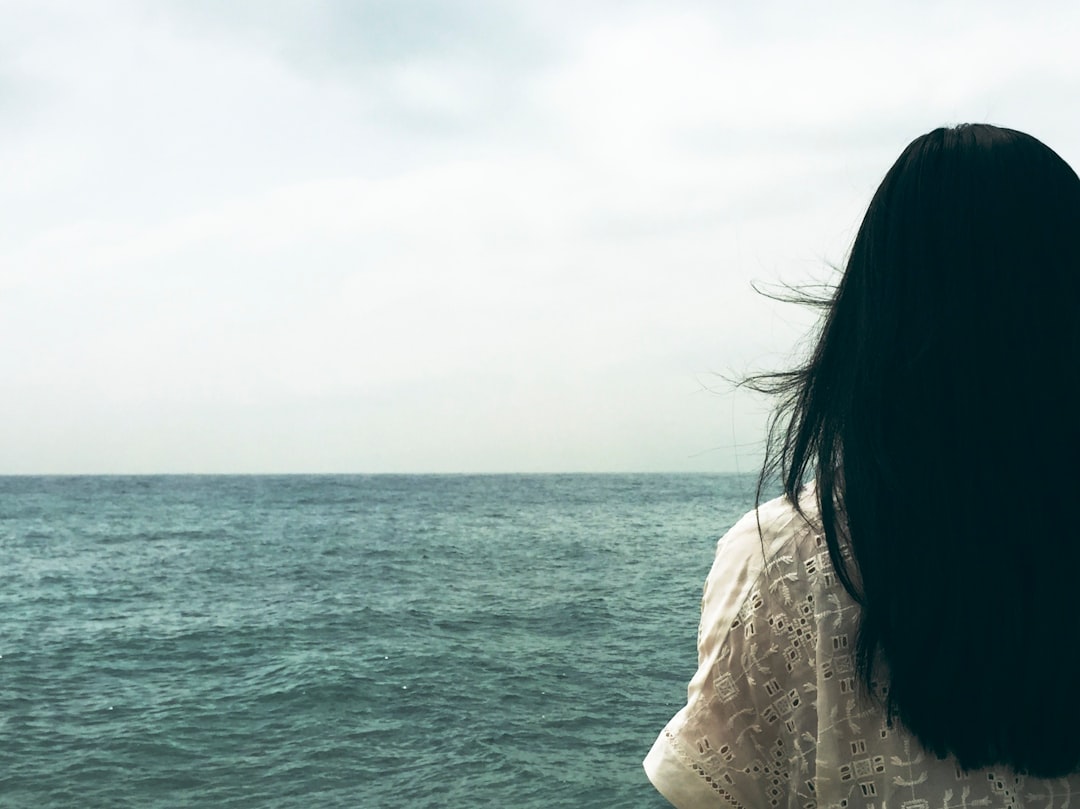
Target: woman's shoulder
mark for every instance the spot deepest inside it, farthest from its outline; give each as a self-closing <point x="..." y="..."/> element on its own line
<point x="768" y="545"/>
<point x="773" y="528"/>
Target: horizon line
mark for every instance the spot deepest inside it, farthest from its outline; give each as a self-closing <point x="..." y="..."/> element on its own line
<point x="366" y="474"/>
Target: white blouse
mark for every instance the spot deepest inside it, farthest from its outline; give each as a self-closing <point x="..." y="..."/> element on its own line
<point x="772" y="718"/>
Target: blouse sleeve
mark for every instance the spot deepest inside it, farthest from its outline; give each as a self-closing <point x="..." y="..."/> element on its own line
<point x="733" y="743"/>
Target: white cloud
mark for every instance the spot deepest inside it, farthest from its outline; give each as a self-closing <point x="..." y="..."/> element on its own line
<point x="235" y="244"/>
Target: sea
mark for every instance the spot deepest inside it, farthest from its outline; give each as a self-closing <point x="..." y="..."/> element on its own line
<point x="368" y="641"/>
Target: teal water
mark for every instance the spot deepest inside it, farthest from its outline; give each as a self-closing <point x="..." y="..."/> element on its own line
<point x="347" y="641"/>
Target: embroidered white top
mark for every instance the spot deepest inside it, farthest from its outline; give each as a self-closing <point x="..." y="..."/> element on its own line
<point x="772" y="718"/>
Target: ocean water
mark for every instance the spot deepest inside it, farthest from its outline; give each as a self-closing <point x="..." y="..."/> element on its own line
<point x="347" y="641"/>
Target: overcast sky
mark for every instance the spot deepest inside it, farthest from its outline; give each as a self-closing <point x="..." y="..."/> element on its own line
<point x="459" y="236"/>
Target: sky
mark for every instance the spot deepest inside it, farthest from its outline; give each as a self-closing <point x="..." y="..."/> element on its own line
<point x="261" y="236"/>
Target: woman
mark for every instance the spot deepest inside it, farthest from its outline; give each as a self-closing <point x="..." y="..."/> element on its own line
<point x="903" y="631"/>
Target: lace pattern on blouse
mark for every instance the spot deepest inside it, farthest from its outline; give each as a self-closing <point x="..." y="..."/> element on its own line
<point x="772" y="717"/>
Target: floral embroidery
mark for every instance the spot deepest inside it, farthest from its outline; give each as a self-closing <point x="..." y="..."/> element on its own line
<point x="774" y="719"/>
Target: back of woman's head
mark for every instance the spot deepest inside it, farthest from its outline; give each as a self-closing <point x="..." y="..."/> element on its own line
<point x="939" y="416"/>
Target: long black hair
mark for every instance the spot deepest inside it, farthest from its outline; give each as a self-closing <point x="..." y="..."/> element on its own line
<point x="939" y="414"/>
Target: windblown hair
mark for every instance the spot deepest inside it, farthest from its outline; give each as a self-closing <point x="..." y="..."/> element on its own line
<point x="939" y="415"/>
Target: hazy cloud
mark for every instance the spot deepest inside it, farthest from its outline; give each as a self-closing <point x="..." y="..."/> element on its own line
<point x="385" y="236"/>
